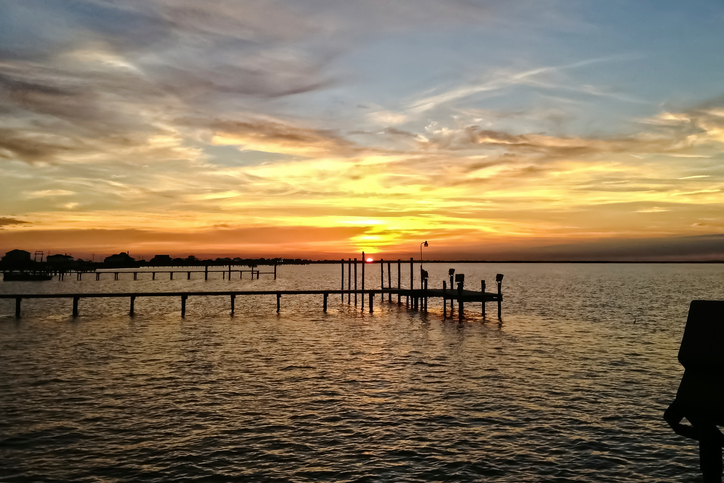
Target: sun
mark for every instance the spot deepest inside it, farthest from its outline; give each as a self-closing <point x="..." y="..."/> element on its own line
<point x="370" y="260"/>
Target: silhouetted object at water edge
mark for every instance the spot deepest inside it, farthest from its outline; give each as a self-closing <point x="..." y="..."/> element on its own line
<point x="700" y="398"/>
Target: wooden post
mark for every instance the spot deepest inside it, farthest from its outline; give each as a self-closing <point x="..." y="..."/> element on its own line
<point x="279" y="302"/>
<point x="460" y="301"/>
<point x="98" y="276"/>
<point x="499" y="281"/>
<point x="349" y="281"/>
<point x="412" y="275"/>
<point x="342" y="294"/>
<point x="233" y="302"/>
<point x="355" y="281"/>
<point x="325" y="301"/>
<point x="382" y="275"/>
<point x="223" y="275"/>
<point x="79" y="275"/>
<point x="183" y="305"/>
<point x="389" y="282"/>
<point x="75" y="306"/>
<point x="258" y="272"/>
<point x="116" y="276"/>
<point x="170" y="275"/>
<point x="364" y="260"/>
<point x="206" y="273"/>
<point x="252" y="275"/>
<point x="135" y="275"/>
<point x="153" y="277"/>
<point x="399" y="278"/>
<point x="241" y="274"/>
<point x="482" y="289"/>
<point x="133" y="302"/>
<point x="372" y="298"/>
<point x="424" y="297"/>
<point x="188" y="275"/>
<point x="275" y="271"/>
<point x="444" y="299"/>
<point x="18" y="300"/>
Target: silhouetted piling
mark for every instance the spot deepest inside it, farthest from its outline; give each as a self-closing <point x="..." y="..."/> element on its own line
<point x="355" y="281"/>
<point x="482" y="289"/>
<point x="364" y="260"/>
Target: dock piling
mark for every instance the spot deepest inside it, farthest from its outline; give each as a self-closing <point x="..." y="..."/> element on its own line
<point x="135" y="275"/>
<point x="482" y="290"/>
<point x="75" y="306"/>
<point x="342" y="288"/>
<point x="183" y="305"/>
<point x="233" y="302"/>
<point x="399" y="278"/>
<point x="424" y="296"/>
<point x="499" y="282"/>
<point x="18" y="301"/>
<point x="325" y="301"/>
<point x="279" y="302"/>
<point x="98" y="276"/>
<point x="364" y="260"/>
<point x="382" y="274"/>
<point x="372" y="298"/>
<point x="349" y="281"/>
<point x="389" y="282"/>
<point x="461" y="306"/>
<point x="355" y="282"/>
<point x="133" y="303"/>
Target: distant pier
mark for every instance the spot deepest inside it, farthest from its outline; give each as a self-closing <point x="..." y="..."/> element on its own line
<point x="61" y="274"/>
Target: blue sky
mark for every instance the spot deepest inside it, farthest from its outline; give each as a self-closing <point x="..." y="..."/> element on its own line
<point x="490" y="128"/>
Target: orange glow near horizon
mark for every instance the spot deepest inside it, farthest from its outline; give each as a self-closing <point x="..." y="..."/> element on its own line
<point x="297" y="145"/>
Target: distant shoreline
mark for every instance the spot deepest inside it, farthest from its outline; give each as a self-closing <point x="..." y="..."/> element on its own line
<point x="529" y="261"/>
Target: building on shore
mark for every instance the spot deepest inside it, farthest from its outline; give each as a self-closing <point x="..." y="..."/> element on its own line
<point x="122" y="259"/>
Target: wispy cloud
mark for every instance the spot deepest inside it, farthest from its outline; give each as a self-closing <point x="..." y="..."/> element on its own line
<point x="539" y="76"/>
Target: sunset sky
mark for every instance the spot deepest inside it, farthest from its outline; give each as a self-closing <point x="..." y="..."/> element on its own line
<point x="514" y="129"/>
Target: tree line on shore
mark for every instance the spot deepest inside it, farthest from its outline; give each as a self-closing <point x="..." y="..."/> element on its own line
<point x="22" y="260"/>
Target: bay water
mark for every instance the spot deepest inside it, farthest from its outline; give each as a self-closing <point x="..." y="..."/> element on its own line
<point x="570" y="385"/>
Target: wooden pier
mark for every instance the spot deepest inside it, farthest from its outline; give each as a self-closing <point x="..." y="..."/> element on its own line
<point x="226" y="273"/>
<point x="414" y="298"/>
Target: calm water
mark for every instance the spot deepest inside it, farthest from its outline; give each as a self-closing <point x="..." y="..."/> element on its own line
<point x="570" y="387"/>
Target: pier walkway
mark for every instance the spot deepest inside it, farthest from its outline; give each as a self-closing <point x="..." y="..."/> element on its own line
<point x="416" y="299"/>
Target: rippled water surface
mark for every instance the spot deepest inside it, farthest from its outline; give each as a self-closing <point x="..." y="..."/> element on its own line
<point x="570" y="386"/>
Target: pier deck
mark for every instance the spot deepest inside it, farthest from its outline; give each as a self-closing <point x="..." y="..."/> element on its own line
<point x="415" y="298"/>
